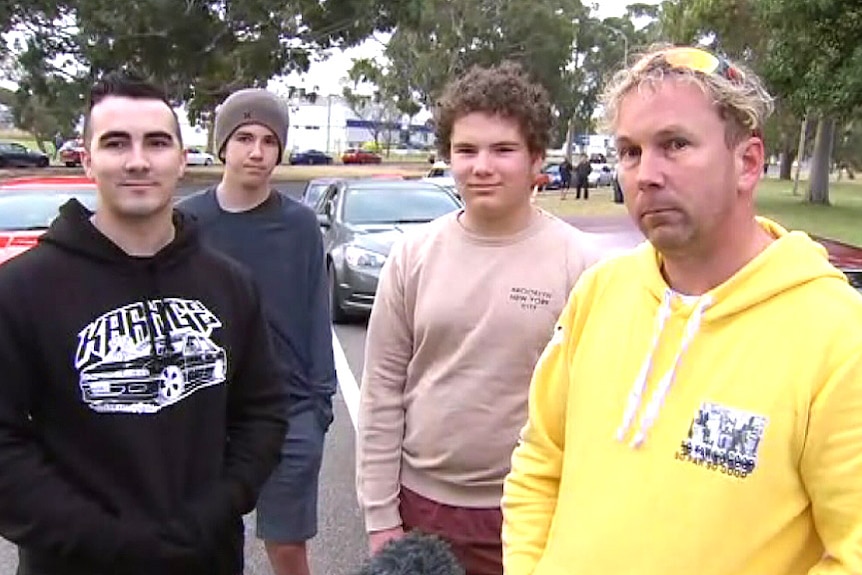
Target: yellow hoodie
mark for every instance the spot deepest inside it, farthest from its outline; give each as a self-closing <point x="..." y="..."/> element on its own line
<point x="719" y="435"/>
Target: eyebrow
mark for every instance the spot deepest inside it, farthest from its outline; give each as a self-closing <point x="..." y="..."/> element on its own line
<point x="119" y="134"/>
<point x="671" y="130"/>
<point x="241" y="132"/>
<point x="493" y="144"/>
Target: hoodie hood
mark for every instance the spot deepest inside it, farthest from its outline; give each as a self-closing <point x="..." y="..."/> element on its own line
<point x="792" y="260"/>
<point x="73" y="231"/>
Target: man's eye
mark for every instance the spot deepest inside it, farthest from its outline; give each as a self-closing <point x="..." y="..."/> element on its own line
<point x="676" y="144"/>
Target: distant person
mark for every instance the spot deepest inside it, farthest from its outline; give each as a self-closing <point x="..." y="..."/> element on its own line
<point x="582" y="177"/>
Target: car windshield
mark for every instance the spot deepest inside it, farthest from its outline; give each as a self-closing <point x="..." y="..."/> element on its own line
<point x="36" y="209"/>
<point x="396" y="205"/>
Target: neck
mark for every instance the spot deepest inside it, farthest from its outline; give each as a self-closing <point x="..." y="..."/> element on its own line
<point x="697" y="273"/>
<point x="234" y="196"/>
<point x="496" y="225"/>
<point x="138" y="237"/>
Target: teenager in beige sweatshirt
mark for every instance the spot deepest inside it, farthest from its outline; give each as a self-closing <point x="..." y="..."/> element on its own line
<point x="464" y="307"/>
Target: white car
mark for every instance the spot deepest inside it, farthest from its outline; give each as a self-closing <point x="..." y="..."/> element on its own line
<point x="197" y="157"/>
<point x="441" y="174"/>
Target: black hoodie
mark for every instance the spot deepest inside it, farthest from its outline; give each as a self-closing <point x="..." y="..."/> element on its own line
<point x="141" y="408"/>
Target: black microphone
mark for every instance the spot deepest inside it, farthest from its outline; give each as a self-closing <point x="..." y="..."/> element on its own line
<point x="414" y="554"/>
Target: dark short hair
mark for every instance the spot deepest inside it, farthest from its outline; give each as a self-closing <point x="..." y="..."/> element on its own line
<point x="504" y="89"/>
<point x="126" y="84"/>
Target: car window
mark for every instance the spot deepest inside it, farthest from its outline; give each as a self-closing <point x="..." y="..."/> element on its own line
<point x="855" y="277"/>
<point x="376" y="206"/>
<point x="18" y="148"/>
<point x="34" y="210"/>
<point x="312" y="194"/>
<point x="325" y="198"/>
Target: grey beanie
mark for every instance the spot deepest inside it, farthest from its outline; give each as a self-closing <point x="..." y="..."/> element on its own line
<point x="250" y="106"/>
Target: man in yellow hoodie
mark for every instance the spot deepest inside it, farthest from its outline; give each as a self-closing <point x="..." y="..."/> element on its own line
<point x="699" y="407"/>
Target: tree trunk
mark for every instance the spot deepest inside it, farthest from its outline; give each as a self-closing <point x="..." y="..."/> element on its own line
<point x="800" y="154"/>
<point x="570" y="130"/>
<point x="818" y="178"/>
<point x="785" y="160"/>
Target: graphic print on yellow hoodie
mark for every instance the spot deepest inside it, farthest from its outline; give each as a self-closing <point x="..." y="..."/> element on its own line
<point x="719" y="435"/>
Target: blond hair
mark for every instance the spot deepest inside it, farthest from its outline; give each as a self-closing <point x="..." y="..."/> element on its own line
<point x="742" y="102"/>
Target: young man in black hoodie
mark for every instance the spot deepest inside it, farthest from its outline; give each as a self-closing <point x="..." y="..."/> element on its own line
<point x="279" y="241"/>
<point x="141" y="408"/>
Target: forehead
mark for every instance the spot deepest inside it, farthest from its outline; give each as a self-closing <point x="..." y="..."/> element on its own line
<point x="654" y="105"/>
<point x="256" y="130"/>
<point x="484" y="127"/>
<point x="132" y="115"/>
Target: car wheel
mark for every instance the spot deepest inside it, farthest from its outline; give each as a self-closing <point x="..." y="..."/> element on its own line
<point x="43" y="163"/>
<point x="208" y="162"/>
<point x="336" y="309"/>
<point x="172" y="383"/>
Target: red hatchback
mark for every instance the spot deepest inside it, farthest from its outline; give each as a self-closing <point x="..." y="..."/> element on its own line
<point x="29" y="205"/>
<point x="357" y="156"/>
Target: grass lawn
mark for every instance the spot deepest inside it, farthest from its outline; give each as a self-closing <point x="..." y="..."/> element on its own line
<point x="600" y="203"/>
<point x="842" y="220"/>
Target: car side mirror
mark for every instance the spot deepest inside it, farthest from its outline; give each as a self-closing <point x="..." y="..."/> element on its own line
<point x="323" y="220"/>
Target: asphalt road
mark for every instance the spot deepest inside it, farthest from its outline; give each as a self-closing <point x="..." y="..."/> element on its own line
<point x="340" y="545"/>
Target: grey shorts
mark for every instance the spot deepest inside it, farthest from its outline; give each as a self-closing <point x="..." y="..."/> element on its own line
<point x="287" y="506"/>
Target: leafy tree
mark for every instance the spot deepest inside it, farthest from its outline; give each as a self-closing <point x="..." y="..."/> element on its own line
<point x="199" y="51"/>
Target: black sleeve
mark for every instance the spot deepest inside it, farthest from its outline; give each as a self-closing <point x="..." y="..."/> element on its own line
<point x="257" y="423"/>
<point x="39" y="509"/>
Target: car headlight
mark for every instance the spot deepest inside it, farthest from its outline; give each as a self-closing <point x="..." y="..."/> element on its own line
<point x="361" y="258"/>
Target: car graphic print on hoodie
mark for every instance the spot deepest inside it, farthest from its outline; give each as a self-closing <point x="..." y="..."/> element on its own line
<point x="148" y="355"/>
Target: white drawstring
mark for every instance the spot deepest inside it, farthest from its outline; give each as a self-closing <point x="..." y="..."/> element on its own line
<point x="657" y="401"/>
<point x="636" y="394"/>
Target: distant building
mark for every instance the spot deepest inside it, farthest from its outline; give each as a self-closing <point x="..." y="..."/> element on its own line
<point x="6" y="122"/>
<point x="328" y="124"/>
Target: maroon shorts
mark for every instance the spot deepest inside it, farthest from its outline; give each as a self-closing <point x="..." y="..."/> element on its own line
<point x="473" y="533"/>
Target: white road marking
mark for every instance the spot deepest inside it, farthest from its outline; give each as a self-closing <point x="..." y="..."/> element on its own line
<point x="346" y="381"/>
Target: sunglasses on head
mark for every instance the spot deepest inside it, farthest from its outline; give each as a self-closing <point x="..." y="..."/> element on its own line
<point x="696" y="59"/>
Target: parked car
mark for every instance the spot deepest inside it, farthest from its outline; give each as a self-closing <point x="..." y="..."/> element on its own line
<point x="441" y="174"/>
<point x="310" y="158"/>
<point x="360" y="220"/>
<point x="845" y="257"/>
<point x="553" y="179"/>
<point x="70" y="152"/>
<point x="358" y="156"/>
<point x="602" y="175"/>
<point x="15" y="155"/>
<point x="29" y="205"/>
<point x="199" y="157"/>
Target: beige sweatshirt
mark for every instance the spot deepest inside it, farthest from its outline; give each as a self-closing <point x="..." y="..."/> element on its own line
<point x="458" y="324"/>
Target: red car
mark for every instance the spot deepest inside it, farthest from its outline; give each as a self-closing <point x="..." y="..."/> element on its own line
<point x="70" y="152"/>
<point x="29" y="205"/>
<point x="845" y="257"/>
<point x="357" y="156"/>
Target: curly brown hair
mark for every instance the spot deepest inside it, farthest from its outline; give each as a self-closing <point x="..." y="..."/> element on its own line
<point x="504" y="90"/>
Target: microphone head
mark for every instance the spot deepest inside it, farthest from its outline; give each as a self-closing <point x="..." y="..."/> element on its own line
<point x="414" y="554"/>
